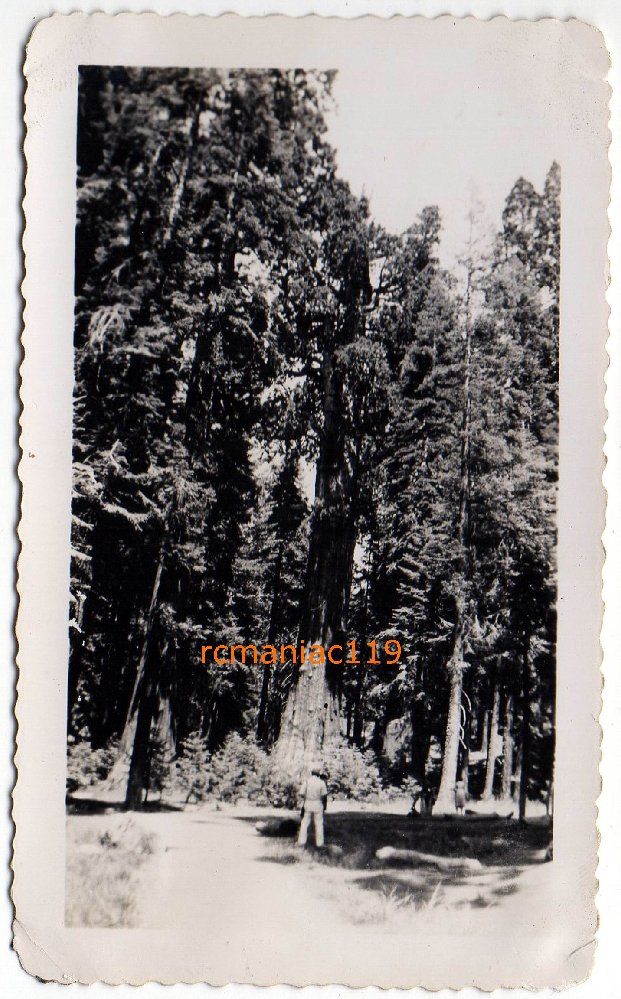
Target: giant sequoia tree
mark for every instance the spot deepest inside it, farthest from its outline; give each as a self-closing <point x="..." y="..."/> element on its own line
<point x="291" y="426"/>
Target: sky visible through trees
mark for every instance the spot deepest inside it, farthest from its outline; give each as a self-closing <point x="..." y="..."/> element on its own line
<point x="294" y="425"/>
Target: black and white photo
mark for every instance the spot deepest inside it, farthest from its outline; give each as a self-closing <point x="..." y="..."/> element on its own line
<point x="314" y="658"/>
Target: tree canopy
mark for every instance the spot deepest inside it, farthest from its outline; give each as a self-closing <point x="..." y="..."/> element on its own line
<point x="293" y="426"/>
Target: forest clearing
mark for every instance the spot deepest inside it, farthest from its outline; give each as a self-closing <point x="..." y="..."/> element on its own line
<point x="205" y="860"/>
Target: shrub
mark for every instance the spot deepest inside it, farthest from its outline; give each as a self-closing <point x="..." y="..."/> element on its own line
<point x="160" y="769"/>
<point x="241" y="769"/>
<point x="279" y="788"/>
<point x="192" y="772"/>
<point x="351" y="773"/>
<point x="238" y="770"/>
<point x="87" y="766"/>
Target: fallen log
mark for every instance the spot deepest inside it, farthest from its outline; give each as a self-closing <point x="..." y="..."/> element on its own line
<point x="392" y="853"/>
<point x="278" y="827"/>
<point x="486" y="816"/>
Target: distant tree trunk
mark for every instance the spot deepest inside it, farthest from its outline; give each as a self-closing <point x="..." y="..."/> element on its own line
<point x="507" y="746"/>
<point x="262" y="727"/>
<point x="361" y="672"/>
<point x="525" y="729"/>
<point x="378" y="739"/>
<point x="100" y="543"/>
<point x="130" y="723"/>
<point x="348" y="732"/>
<point x="75" y="658"/>
<point x="358" y="705"/>
<point x="464" y="768"/>
<point x="517" y="776"/>
<point x="485" y="732"/>
<point x="492" y="744"/>
<point x="272" y="631"/>
<point x="164" y="722"/>
<point x="420" y="736"/>
<point x="311" y="717"/>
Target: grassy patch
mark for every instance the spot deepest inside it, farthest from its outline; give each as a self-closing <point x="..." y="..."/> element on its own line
<point x="493" y="841"/>
<point x="369" y="892"/>
<point x="104" y="871"/>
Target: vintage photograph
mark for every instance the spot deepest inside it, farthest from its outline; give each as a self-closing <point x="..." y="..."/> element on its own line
<point x="312" y="594"/>
<point x="327" y="451"/>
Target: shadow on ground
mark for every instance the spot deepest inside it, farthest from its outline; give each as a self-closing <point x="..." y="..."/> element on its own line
<point x="98" y="806"/>
<point x="494" y="842"/>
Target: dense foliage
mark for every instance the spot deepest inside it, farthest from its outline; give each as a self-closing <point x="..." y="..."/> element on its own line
<point x="243" y="326"/>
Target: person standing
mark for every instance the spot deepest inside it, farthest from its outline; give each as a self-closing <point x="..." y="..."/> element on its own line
<point x="314" y="796"/>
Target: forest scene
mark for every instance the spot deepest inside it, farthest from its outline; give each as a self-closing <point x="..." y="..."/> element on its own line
<point x="293" y="425"/>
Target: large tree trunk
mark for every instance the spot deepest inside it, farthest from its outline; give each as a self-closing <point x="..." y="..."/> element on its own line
<point x="507" y="746"/>
<point x="137" y="782"/>
<point x="154" y="727"/>
<point x="311" y="717"/>
<point x="118" y="774"/>
<point x="492" y="745"/>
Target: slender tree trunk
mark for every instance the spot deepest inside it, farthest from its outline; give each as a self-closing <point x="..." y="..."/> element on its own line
<point x="421" y="740"/>
<point x="378" y="739"/>
<point x="311" y="717"/>
<point x="492" y="745"/>
<point x="264" y="697"/>
<point x="130" y="724"/>
<point x="75" y="659"/>
<point x="525" y="730"/>
<point x="507" y="746"/>
<point x="358" y="707"/>
<point x="464" y="769"/>
<point x="485" y="733"/>
<point x="517" y="776"/>
<point x="445" y="801"/>
<point x="420" y="728"/>
<point x="164" y="722"/>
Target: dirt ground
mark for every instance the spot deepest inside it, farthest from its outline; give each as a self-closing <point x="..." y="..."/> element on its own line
<point x="207" y="861"/>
